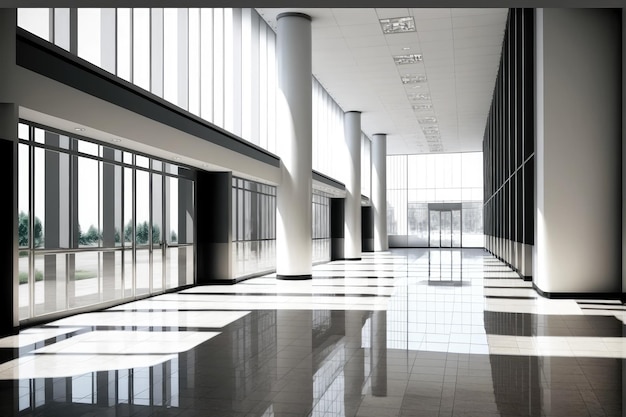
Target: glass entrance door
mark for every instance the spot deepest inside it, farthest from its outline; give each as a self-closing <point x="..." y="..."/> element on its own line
<point x="444" y="225"/>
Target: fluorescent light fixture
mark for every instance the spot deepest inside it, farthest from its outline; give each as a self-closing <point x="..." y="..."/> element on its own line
<point x="116" y="140"/>
<point x="79" y="129"/>
<point x="407" y="59"/>
<point x="431" y="130"/>
<point x="424" y="106"/>
<point x="419" y="97"/>
<point x="413" y="78"/>
<point x="397" y="25"/>
<point x="428" y="120"/>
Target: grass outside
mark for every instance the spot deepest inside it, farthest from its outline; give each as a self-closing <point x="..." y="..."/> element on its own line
<point x="78" y="275"/>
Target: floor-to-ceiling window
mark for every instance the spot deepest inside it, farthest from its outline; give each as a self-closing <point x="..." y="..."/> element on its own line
<point x="435" y="200"/>
<point x="97" y="223"/>
<point x="253" y="227"/>
<point x="321" y="226"/>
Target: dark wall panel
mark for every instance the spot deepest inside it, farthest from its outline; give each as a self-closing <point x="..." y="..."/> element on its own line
<point x="509" y="137"/>
<point x="213" y="226"/>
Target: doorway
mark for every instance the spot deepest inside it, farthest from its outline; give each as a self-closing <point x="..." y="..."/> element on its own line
<point x="444" y="225"/>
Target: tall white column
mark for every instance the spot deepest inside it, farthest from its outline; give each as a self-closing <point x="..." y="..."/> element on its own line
<point x="578" y="163"/>
<point x="294" y="140"/>
<point x="352" y="134"/>
<point x="379" y="191"/>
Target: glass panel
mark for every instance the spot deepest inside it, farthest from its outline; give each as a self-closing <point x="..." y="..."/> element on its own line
<point x="23" y="196"/>
<point x="128" y="273"/>
<point x="89" y="35"/>
<point x="142" y="201"/>
<point x="88" y="202"/>
<point x="142" y="278"/>
<point x="171" y="204"/>
<point x="170" y="52"/>
<point x="52" y="204"/>
<point x="173" y="266"/>
<point x="142" y="161"/>
<point x="24" y="293"/>
<point x="435" y="233"/>
<point x="456" y="228"/>
<point x="206" y="63"/>
<point x="84" y="278"/>
<point x="36" y="21"/>
<point x="194" y="61"/>
<point x="446" y="229"/>
<point x="111" y="275"/>
<point x="128" y="207"/>
<point x="111" y="204"/>
<point x="50" y="283"/>
<point x="141" y="48"/>
<point x="157" y="228"/>
<point x="418" y="224"/>
<point x="124" y="25"/>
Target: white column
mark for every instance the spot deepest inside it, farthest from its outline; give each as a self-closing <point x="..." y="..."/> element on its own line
<point x="578" y="163"/>
<point x="352" y="161"/>
<point x="379" y="191"/>
<point x="294" y="140"/>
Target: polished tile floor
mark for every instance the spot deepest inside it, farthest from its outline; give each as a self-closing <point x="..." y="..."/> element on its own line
<point x="401" y="333"/>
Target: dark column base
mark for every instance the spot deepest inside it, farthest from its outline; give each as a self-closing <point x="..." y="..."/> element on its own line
<point x="294" y="277"/>
<point x="352" y="259"/>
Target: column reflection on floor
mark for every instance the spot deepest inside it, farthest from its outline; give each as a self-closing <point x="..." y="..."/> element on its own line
<point x="395" y="334"/>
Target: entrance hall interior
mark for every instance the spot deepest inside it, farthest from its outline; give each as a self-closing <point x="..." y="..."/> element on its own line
<point x="279" y="212"/>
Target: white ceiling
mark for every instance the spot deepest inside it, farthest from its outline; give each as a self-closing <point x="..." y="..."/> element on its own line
<point x="353" y="60"/>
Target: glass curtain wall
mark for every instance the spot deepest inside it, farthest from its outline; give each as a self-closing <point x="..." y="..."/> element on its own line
<point x="98" y="224"/>
<point x="218" y="64"/>
<point x="321" y="227"/>
<point x="253" y="227"/>
<point x="415" y="181"/>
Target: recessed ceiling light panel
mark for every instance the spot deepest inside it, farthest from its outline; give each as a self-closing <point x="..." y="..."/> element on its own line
<point x="419" y="97"/>
<point x="413" y="78"/>
<point x="423" y="106"/>
<point x="427" y="120"/>
<point x="407" y="59"/>
<point x="397" y="25"/>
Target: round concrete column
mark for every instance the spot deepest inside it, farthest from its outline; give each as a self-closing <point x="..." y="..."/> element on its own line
<point x="352" y="134"/>
<point x="294" y="140"/>
<point x="379" y="191"/>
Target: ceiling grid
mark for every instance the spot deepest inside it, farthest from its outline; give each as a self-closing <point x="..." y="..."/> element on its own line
<point x="444" y="112"/>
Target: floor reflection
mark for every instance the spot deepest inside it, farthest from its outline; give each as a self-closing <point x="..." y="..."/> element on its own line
<point x="433" y="350"/>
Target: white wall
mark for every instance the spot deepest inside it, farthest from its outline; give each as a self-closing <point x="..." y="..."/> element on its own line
<point x="578" y="219"/>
